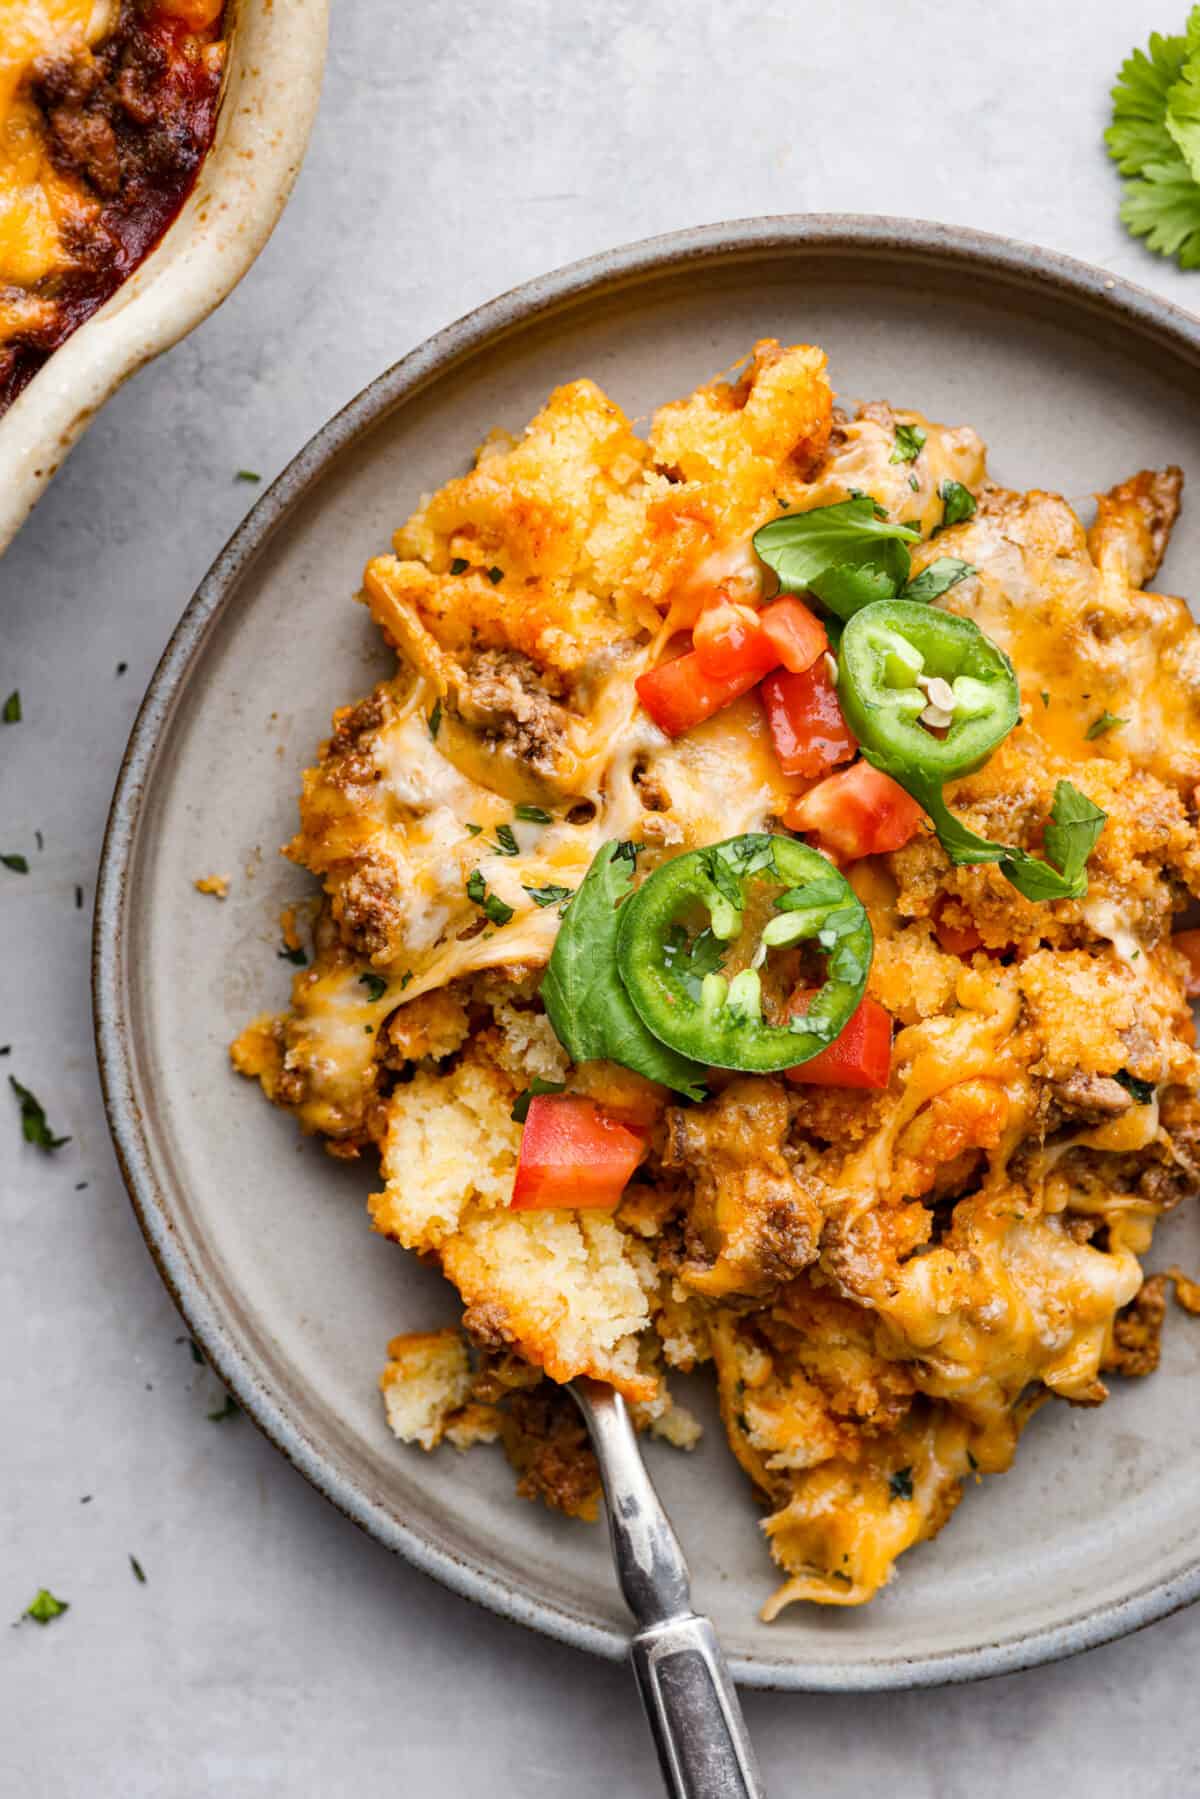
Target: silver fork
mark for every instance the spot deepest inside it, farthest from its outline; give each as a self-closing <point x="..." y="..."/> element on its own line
<point x="703" y="1745"/>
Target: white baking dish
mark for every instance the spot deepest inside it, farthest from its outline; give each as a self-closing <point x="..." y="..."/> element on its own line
<point x="272" y="85"/>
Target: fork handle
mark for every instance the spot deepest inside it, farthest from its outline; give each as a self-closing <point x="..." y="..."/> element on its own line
<point x="699" y="1732"/>
<point x="690" y="1700"/>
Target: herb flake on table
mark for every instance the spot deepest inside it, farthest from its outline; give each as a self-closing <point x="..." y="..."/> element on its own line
<point x="17" y="863"/>
<point x="247" y="474"/>
<point x="34" y="1127"/>
<point x="139" y="1573"/>
<point x="12" y="708"/>
<point x="230" y="1409"/>
<point x="44" y="1607"/>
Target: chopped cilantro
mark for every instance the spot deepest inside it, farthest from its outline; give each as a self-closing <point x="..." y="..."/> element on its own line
<point x="44" y="1607"/>
<point x="435" y="720"/>
<point x="139" y="1573"/>
<point x="532" y="815"/>
<point x="1107" y="721"/>
<point x="914" y="484"/>
<point x="495" y="576"/>
<point x="910" y="440"/>
<point x="296" y="956"/>
<point x="39" y="840"/>
<point x="18" y="864"/>
<point x="34" y="1127"/>
<point x="972" y="1464"/>
<point x="405" y="978"/>
<point x="548" y="896"/>
<point x="12" y="708"/>
<point x="229" y="1410"/>
<point x="459" y="566"/>
<point x="375" y="985"/>
<point x="1141" y="1092"/>
<point x="1045" y="698"/>
<point x="900" y="1484"/>
<point x="247" y="474"/>
<point x="475" y="830"/>
<point x="958" y="503"/>
<point x="506" y="843"/>
<point x="536" y="1086"/>
<point x="490" y="904"/>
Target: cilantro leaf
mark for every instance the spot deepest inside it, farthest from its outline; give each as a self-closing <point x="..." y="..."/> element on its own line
<point x="585" y="999"/>
<point x="900" y="1484"/>
<point x="846" y="553"/>
<point x="537" y="1085"/>
<point x="1164" y="208"/>
<point x="1138" y="135"/>
<point x="459" y="565"/>
<point x="139" y="1573"/>
<point x="958" y="503"/>
<point x="12" y="708"/>
<point x="44" y="1607"/>
<point x="506" y="843"/>
<point x="34" y="1127"/>
<point x="490" y="904"/>
<point x="1075" y="825"/>
<point x="1154" y="138"/>
<point x="18" y="864"/>
<point x="692" y="958"/>
<point x="547" y="896"/>
<point x="910" y="440"/>
<point x="940" y="576"/>
<point x="1107" y="721"/>
<point x="435" y="720"/>
<point x="533" y="815"/>
<point x="1141" y="1092"/>
<point x="1183" y="109"/>
<point x="375" y="985"/>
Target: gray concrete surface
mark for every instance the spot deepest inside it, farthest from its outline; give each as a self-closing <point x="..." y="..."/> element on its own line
<point x="461" y="148"/>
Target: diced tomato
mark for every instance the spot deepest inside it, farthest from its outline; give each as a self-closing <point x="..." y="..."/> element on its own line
<point x="856" y="812"/>
<point x="798" y="635"/>
<point x="573" y="1154"/>
<point x="679" y="694"/>
<point x="860" y="1057"/>
<point x="729" y="639"/>
<point x="1189" y="943"/>
<point x="807" y="728"/>
<point x="956" y="941"/>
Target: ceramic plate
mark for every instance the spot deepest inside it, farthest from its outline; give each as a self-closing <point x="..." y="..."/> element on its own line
<point x="1075" y="380"/>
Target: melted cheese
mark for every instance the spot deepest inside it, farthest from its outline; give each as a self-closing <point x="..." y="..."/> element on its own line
<point x="36" y="203"/>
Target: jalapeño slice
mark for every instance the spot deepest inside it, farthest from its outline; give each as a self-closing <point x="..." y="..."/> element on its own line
<point x="696" y="938"/>
<point x="925" y="692"/>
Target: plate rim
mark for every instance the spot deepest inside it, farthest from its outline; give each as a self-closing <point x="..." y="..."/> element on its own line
<point x="984" y="254"/>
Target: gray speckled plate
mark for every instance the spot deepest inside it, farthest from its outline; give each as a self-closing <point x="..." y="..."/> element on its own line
<point x="1075" y="380"/>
